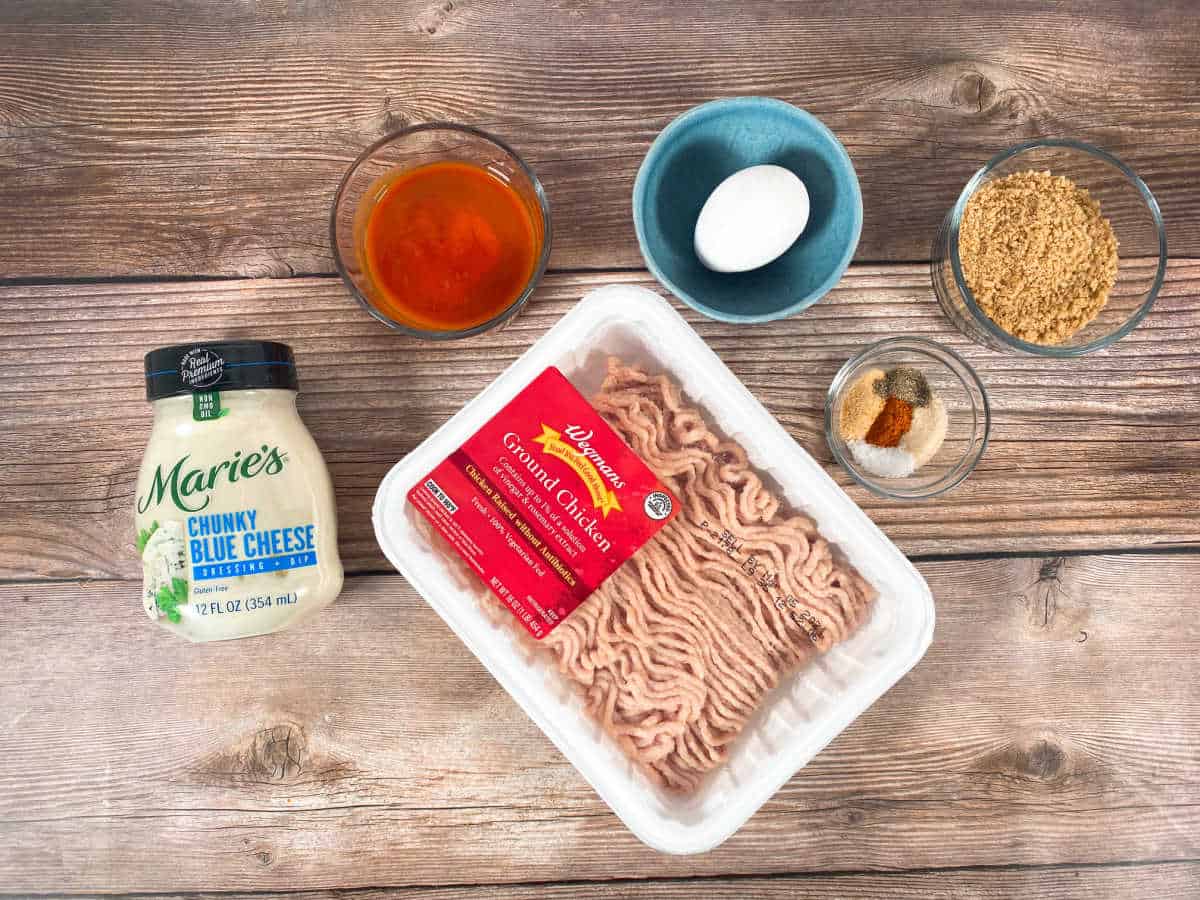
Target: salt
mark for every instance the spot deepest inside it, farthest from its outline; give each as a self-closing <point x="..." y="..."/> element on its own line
<point x="883" y="462"/>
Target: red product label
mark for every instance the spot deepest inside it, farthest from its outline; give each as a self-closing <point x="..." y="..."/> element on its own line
<point x="544" y="502"/>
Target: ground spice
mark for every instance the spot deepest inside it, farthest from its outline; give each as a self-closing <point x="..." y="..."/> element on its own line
<point x="927" y="433"/>
<point x="861" y="405"/>
<point x="906" y="383"/>
<point x="1037" y="255"/>
<point x="891" y="424"/>
<point x="897" y="406"/>
<point x="883" y="462"/>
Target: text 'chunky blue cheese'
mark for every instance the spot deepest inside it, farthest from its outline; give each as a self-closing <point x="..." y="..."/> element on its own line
<point x="235" y="516"/>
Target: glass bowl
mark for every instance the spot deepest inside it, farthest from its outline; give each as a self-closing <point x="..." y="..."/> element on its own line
<point x="409" y="148"/>
<point x="1124" y="200"/>
<point x="968" y="415"/>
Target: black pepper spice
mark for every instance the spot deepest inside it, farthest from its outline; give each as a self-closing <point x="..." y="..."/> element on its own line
<point x="904" y="383"/>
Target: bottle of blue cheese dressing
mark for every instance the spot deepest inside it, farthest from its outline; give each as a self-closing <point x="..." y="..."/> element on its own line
<point x="235" y="517"/>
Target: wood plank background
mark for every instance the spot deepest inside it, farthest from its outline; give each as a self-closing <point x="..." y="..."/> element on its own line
<point x="166" y="171"/>
<point x="208" y="137"/>
<point x="1168" y="881"/>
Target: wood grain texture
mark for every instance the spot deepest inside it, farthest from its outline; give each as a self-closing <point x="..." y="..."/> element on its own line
<point x="168" y="138"/>
<point x="1096" y="453"/>
<point x="1054" y="721"/>
<point x="1165" y="881"/>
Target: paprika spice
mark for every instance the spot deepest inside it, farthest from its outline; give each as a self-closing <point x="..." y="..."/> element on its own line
<point x="891" y="424"/>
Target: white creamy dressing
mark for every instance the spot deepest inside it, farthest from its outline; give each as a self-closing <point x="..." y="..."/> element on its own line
<point x="235" y="517"/>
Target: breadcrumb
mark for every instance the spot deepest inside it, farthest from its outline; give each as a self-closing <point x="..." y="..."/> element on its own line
<point x="1037" y="254"/>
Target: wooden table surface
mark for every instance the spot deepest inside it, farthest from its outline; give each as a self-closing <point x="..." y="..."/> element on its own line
<point x="166" y="171"/>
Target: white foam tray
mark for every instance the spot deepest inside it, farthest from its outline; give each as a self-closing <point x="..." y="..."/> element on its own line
<point x="805" y="712"/>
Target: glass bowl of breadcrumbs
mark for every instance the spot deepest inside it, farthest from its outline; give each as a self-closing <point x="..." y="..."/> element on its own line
<point x="1054" y="248"/>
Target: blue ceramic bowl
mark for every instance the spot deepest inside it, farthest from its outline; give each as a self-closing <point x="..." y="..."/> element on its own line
<point x="701" y="148"/>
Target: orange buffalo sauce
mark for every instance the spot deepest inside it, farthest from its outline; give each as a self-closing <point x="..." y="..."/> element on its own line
<point x="449" y="246"/>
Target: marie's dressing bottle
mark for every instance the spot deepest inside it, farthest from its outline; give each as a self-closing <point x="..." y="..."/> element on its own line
<point x="235" y="516"/>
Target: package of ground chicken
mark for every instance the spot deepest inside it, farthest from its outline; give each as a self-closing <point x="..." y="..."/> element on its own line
<point x="668" y="584"/>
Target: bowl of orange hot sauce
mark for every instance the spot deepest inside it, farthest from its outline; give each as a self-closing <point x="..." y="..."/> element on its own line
<point x="441" y="231"/>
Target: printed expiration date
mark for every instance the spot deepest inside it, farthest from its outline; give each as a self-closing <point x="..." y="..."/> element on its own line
<point x="766" y="579"/>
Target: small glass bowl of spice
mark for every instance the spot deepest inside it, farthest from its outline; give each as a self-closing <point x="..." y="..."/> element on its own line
<point x="908" y="418"/>
<point x="1054" y="248"/>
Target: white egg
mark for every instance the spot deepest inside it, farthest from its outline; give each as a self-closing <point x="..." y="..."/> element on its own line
<point x="751" y="218"/>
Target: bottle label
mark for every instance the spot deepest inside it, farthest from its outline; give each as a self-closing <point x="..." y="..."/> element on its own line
<point x="206" y="405"/>
<point x="204" y="540"/>
<point x="200" y="368"/>
<point x="192" y="565"/>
